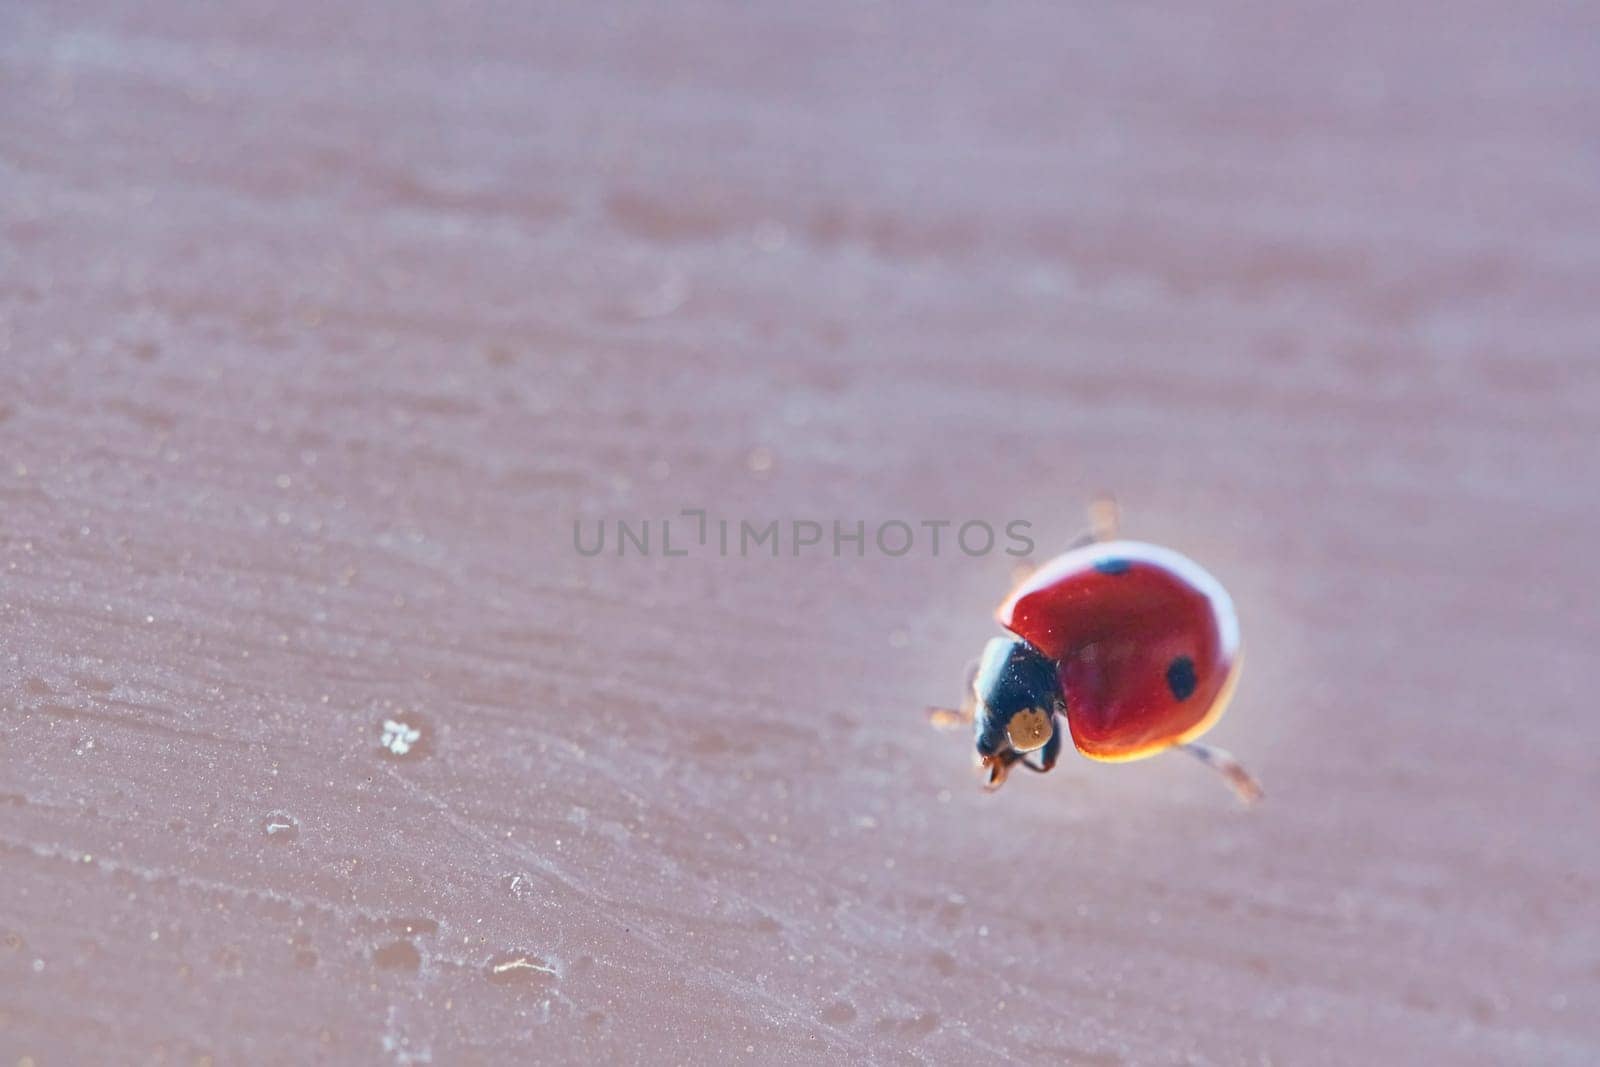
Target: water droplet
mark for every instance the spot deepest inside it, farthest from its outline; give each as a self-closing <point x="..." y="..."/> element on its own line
<point x="280" y="826"/>
<point x="518" y="968"/>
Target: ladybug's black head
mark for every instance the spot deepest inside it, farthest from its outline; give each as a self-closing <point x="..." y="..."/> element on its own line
<point x="1018" y="693"/>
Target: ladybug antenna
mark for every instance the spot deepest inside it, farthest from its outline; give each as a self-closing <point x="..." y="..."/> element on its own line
<point x="1220" y="760"/>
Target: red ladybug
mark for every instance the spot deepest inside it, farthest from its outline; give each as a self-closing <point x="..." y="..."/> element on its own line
<point x="1133" y="647"/>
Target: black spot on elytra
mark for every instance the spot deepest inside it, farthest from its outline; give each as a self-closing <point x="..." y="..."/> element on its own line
<point x="1181" y="678"/>
<point x="1113" y="566"/>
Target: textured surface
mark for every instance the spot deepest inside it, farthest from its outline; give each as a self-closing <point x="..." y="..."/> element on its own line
<point x="319" y="329"/>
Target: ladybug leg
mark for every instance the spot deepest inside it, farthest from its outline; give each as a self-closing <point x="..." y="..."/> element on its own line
<point x="999" y="765"/>
<point x="1105" y="522"/>
<point x="1240" y="780"/>
<point x="1052" y="748"/>
<point x="1048" y="755"/>
<point x="1105" y="518"/>
<point x="950" y="718"/>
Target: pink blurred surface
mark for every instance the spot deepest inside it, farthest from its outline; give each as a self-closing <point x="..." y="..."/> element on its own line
<point x="319" y="329"/>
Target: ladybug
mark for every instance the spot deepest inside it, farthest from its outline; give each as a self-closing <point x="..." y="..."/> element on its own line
<point x="1130" y="648"/>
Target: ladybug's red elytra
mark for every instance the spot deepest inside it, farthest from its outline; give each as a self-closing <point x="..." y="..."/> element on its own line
<point x="1132" y="647"/>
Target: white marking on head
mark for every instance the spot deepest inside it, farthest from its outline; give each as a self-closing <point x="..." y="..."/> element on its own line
<point x="1029" y="729"/>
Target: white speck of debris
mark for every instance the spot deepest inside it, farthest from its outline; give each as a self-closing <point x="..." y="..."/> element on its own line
<point x="398" y="737"/>
<point x="521" y="963"/>
<point x="281" y="826"/>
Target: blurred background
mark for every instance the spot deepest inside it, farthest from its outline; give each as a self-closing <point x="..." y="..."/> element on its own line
<point x="321" y="327"/>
